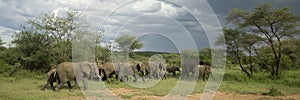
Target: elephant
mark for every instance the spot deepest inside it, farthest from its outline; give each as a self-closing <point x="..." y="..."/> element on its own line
<point x="172" y="70"/>
<point x="203" y="71"/>
<point x="80" y="71"/>
<point x="140" y="67"/>
<point x="107" y="70"/>
<point x="131" y="68"/>
<point x="187" y="68"/>
<point x="164" y="73"/>
<point x="154" y="69"/>
<point x="52" y="77"/>
<point x="146" y="69"/>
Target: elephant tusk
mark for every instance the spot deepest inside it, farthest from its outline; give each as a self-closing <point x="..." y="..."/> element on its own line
<point x="99" y="76"/>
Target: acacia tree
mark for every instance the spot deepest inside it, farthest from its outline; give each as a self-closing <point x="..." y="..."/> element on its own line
<point x="240" y="45"/>
<point x="291" y="48"/>
<point x="127" y="43"/>
<point x="273" y="25"/>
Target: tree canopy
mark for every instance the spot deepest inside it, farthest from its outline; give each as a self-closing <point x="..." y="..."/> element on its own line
<point x="265" y="26"/>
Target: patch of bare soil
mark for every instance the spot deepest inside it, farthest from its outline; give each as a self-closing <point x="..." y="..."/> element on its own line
<point x="235" y="96"/>
<point x="72" y="98"/>
<point x="136" y="95"/>
<point x="120" y="91"/>
<point x="220" y="96"/>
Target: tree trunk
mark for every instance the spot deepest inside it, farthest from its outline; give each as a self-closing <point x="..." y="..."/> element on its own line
<point x="251" y="66"/>
<point x="240" y="63"/>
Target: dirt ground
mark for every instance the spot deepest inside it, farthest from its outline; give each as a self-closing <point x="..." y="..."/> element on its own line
<point x="218" y="96"/>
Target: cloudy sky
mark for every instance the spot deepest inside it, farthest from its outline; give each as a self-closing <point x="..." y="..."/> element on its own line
<point x="160" y="24"/>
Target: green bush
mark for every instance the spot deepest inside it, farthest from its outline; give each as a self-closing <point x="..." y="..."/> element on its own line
<point x="17" y="73"/>
<point x="22" y="73"/>
<point x="274" y="92"/>
<point x="6" y="69"/>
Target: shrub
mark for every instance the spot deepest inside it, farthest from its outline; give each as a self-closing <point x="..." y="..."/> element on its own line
<point x="17" y="73"/>
<point x="274" y="92"/>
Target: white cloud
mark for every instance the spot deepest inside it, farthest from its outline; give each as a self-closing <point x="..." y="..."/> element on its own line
<point x="170" y="10"/>
<point x="5" y="34"/>
<point x="94" y="13"/>
<point x="147" y="6"/>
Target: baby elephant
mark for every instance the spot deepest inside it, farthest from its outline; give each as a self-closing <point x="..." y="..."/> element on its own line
<point x="53" y="77"/>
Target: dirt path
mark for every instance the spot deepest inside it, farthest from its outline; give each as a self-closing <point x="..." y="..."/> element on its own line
<point x="131" y="94"/>
<point x="219" y="96"/>
<point x="222" y="96"/>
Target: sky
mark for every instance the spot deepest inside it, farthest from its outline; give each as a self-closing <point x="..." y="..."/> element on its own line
<point x="166" y="26"/>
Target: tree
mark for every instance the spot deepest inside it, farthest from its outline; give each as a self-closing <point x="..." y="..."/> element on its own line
<point x="128" y="43"/>
<point x="237" y="44"/>
<point x="46" y="40"/>
<point x="291" y="48"/>
<point x="103" y="54"/>
<point x="1" y="45"/>
<point x="205" y="55"/>
<point x="62" y="28"/>
<point x="34" y="49"/>
<point x="273" y="25"/>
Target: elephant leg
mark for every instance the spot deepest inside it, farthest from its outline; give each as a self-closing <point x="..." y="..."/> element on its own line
<point x="117" y="76"/>
<point x="174" y="73"/>
<point x="85" y="86"/>
<point x="69" y="84"/>
<point x="135" y="77"/>
<point x="143" y="78"/>
<point x="51" y="84"/>
<point x="126" y="78"/>
<point x="45" y="86"/>
<point x="75" y="85"/>
<point x="203" y="76"/>
<point x="151" y="74"/>
<point x="123" y="78"/>
<point x="59" y="86"/>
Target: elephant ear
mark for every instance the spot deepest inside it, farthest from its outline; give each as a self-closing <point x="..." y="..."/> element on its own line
<point x="138" y="67"/>
<point x="85" y="68"/>
<point x="160" y="66"/>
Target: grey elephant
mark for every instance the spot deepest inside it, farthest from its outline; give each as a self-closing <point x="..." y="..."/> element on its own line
<point x="172" y="69"/>
<point x="126" y="69"/>
<point x="80" y="71"/>
<point x="202" y="70"/>
<point x="107" y="70"/>
<point x="140" y="67"/>
<point x="52" y="77"/>
<point x="154" y="69"/>
<point x="187" y="68"/>
<point x="164" y="73"/>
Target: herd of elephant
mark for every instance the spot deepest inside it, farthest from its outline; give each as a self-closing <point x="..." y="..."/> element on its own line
<point x="82" y="71"/>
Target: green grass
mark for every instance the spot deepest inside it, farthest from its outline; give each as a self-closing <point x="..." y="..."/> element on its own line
<point x="236" y="81"/>
<point x="233" y="81"/>
<point x="12" y="89"/>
